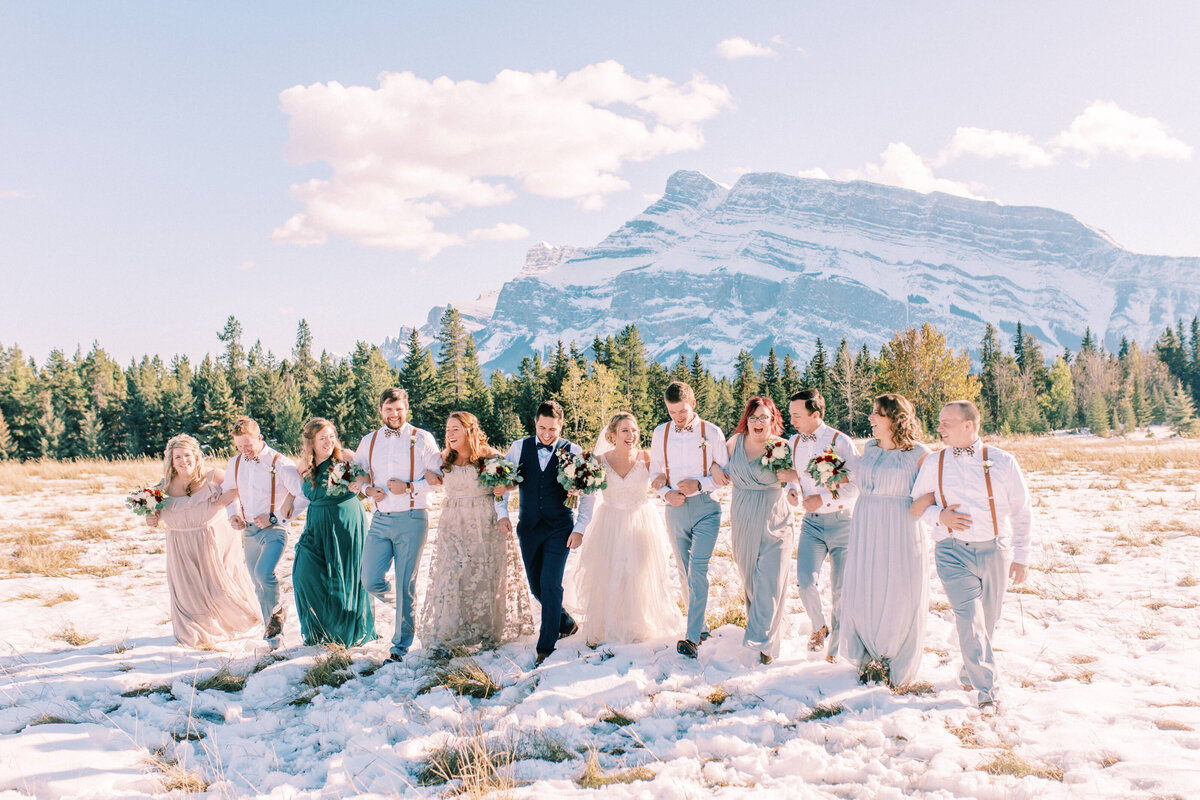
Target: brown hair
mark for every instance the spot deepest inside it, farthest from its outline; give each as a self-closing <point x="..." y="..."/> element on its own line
<point x="813" y="402"/>
<point x="760" y="402"/>
<point x="182" y="442"/>
<point x="393" y="393"/>
<point x="243" y="426"/>
<point x="611" y="428"/>
<point x="550" y="408"/>
<point x="679" y="392"/>
<point x="477" y="449"/>
<point x="304" y="463"/>
<point x="906" y="428"/>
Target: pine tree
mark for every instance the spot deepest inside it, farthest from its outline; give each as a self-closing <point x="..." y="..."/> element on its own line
<point x="19" y="403"/>
<point x="1061" y="402"/>
<point x="745" y="381"/>
<point x="234" y="361"/>
<point x="680" y="371"/>
<point x="304" y="365"/>
<point x="530" y="391"/>
<point x="290" y="415"/>
<point x="215" y="409"/>
<point x="1181" y="412"/>
<point x="451" y="376"/>
<point x="557" y="373"/>
<point x="629" y="364"/>
<point x="372" y="375"/>
<point x="989" y="359"/>
<point x="479" y="398"/>
<point x="772" y="383"/>
<point x="8" y="448"/>
<point x="1097" y="415"/>
<point x="816" y="375"/>
<point x="418" y="377"/>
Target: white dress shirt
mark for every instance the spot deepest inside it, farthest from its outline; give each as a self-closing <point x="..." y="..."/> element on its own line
<point x="252" y="479"/>
<point x="392" y="458"/>
<point x="803" y="452"/>
<point x="685" y="454"/>
<point x="583" y="514"/>
<point x="965" y="485"/>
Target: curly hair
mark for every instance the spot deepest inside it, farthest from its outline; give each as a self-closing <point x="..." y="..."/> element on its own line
<point x="183" y="442"/>
<point x="753" y="404"/>
<point x="477" y="450"/>
<point x="906" y="427"/>
<point x="312" y="428"/>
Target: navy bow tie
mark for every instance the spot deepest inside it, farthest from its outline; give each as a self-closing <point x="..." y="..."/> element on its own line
<point x="549" y="447"/>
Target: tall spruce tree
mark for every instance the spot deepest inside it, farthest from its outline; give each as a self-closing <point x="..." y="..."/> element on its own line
<point x="418" y="377"/>
<point x="304" y="365"/>
<point x="233" y="359"/>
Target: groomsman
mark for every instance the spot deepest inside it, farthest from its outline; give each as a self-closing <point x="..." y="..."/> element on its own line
<point x="263" y="478"/>
<point x="682" y="454"/>
<point x="825" y="532"/>
<point x="395" y="458"/>
<point x="547" y="530"/>
<point x="982" y="519"/>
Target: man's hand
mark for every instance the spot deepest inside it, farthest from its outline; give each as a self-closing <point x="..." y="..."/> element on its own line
<point x="237" y="522"/>
<point x="289" y="505"/>
<point x="720" y="478"/>
<point x="813" y="502"/>
<point x="660" y="480"/>
<point x="954" y="521"/>
<point x="688" y="486"/>
<point x="674" y="497"/>
<point x="574" y="540"/>
<point x="787" y="476"/>
<point x="263" y="520"/>
<point x="375" y="493"/>
<point x="397" y="486"/>
<point x="505" y="525"/>
<point x="793" y="497"/>
<point x="432" y="478"/>
<point x="1018" y="572"/>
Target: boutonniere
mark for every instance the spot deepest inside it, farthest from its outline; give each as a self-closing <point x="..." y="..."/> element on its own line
<point x="987" y="465"/>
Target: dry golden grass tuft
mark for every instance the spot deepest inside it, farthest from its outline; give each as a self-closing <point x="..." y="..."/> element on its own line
<point x="34" y="553"/>
<point x="72" y="637"/>
<point x="477" y="765"/>
<point x="732" y="613"/>
<point x="172" y="775"/>
<point x="33" y="476"/>
<point x="1171" y="725"/>
<point x="61" y="597"/>
<point x="1186" y="581"/>
<point x="92" y="532"/>
<point x="594" y="777"/>
<point x="1009" y="763"/>
<point x="965" y="734"/>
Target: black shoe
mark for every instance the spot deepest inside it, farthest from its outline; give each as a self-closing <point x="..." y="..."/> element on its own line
<point x="569" y="630"/>
<point x="686" y="648"/>
<point x="763" y="658"/>
<point x="541" y="657"/>
<point x="394" y="656"/>
<point x="275" y="624"/>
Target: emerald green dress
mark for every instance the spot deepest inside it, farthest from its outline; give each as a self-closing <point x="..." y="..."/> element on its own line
<point x="331" y="603"/>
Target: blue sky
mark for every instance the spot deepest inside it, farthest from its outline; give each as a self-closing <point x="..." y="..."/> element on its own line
<point x="148" y="151"/>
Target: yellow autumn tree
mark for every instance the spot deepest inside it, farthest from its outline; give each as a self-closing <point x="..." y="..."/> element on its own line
<point x="918" y="364"/>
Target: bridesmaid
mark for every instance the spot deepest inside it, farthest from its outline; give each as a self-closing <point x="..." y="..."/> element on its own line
<point x="477" y="593"/>
<point x="761" y="523"/>
<point x="886" y="596"/>
<point x="331" y="603"/>
<point x="211" y="594"/>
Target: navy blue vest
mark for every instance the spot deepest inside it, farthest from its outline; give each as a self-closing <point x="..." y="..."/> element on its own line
<point x="542" y="498"/>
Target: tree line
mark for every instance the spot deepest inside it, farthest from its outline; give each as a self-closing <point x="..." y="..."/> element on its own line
<point x="89" y="406"/>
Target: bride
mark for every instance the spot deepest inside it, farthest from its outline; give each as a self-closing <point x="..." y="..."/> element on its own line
<point x="622" y="582"/>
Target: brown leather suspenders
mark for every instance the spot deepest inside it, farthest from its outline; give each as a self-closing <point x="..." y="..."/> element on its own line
<point x="703" y="445"/>
<point x="987" y="477"/>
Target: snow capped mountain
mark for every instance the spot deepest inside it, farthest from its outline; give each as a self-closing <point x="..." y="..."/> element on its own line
<point x="779" y="261"/>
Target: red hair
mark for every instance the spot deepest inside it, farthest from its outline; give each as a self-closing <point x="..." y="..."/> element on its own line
<point x="755" y="403"/>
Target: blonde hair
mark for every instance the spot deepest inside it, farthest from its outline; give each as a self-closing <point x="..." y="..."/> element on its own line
<point x="304" y="463"/>
<point x="182" y="442"/>
<point x="477" y="448"/>
<point x="906" y="428"/>
<point x="244" y="425"/>
<point x="610" y="430"/>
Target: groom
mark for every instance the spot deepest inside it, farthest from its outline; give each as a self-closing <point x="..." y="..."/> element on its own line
<point x="981" y="518"/>
<point x="546" y="528"/>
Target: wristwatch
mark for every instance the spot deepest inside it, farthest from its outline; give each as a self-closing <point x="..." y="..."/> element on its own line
<point x="274" y="519"/>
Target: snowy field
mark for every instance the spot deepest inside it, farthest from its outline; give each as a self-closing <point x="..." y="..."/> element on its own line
<point x="1098" y="655"/>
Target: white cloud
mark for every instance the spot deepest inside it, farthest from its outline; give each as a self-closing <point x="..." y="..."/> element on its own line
<point x="245" y="265"/>
<point x="500" y="232"/>
<point x="1104" y="127"/>
<point x="13" y="194"/>
<point x="815" y="172"/>
<point x="1018" y="147"/>
<point x="738" y="47"/>
<point x="900" y="166"/>
<point x="412" y="151"/>
<point x="652" y="197"/>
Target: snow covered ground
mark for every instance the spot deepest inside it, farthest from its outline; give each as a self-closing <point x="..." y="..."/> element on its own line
<point x="1098" y="656"/>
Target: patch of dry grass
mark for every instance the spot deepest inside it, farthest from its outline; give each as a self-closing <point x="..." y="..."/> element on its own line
<point x="1171" y="725"/>
<point x="1081" y="675"/>
<point x="172" y="775"/>
<point x="331" y="668"/>
<point x="823" y="711"/>
<point x="465" y="678"/>
<point x="718" y="696"/>
<point x="1009" y="763"/>
<point x="61" y="597"/>
<point x="965" y="734"/>
<point x="614" y="717"/>
<point x="72" y="637"/>
<point x="1186" y="581"/>
<point x="32" y="476"/>
<point x="594" y="777"/>
<point x="223" y="680"/>
<point x="477" y="765"/>
<point x="36" y="554"/>
<point x="732" y="613"/>
<point x="92" y="532"/>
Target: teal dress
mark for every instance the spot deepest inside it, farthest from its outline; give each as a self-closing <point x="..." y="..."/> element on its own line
<point x="331" y="603"/>
<point x="761" y="531"/>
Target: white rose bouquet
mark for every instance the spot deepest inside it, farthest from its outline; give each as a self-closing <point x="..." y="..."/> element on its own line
<point x="145" y="502"/>
<point x="498" y="471"/>
<point x="776" y="455"/>
<point x="828" y="470"/>
<point x="341" y="475"/>
<point x="580" y="474"/>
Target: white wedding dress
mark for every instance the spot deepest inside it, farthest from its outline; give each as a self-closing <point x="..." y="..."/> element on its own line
<point x="622" y="584"/>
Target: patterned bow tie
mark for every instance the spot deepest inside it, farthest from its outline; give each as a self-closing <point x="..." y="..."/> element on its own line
<point x="808" y="437"/>
<point x="970" y="451"/>
<point x="252" y="458"/>
<point x="391" y="432"/>
<point x="683" y="429"/>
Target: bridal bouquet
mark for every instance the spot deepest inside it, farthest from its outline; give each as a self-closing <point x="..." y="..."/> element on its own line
<point x="828" y="470"/>
<point x="776" y="455"/>
<point x="580" y="474"/>
<point x="341" y="475"/>
<point x="145" y="502"/>
<point x="498" y="471"/>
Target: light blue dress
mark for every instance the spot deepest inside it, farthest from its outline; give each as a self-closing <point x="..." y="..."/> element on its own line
<point x="761" y="530"/>
<point x="886" y="595"/>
